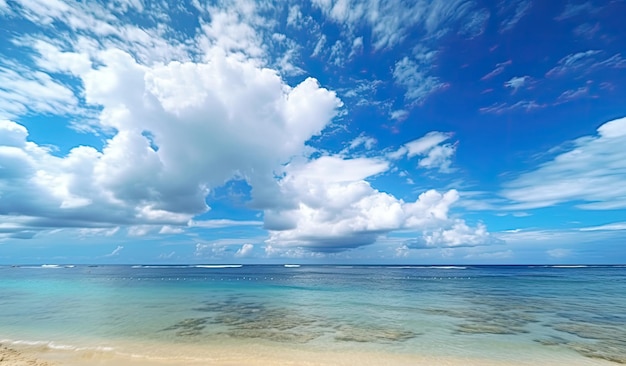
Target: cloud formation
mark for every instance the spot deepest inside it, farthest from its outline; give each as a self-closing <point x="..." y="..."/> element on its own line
<point x="590" y="172"/>
<point x="183" y="137"/>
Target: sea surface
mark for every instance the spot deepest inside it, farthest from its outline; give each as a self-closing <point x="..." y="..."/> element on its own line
<point x="555" y="314"/>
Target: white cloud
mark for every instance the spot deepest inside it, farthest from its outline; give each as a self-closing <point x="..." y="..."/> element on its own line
<point x="232" y="29"/>
<point x="198" y="139"/>
<point x="23" y="90"/>
<point x="168" y="229"/>
<point x="572" y="10"/>
<point x="443" y="14"/>
<point x="613" y="226"/>
<point x="476" y="24"/>
<point x="169" y="255"/>
<point x="334" y="208"/>
<point x="223" y="248"/>
<point x="295" y="16"/>
<point x="499" y="69"/>
<point x="591" y="170"/>
<point x="433" y="154"/>
<point x="458" y="235"/>
<point x="221" y="223"/>
<point x="362" y="140"/>
<point x="499" y="255"/>
<point x="391" y="21"/>
<point x="357" y="46"/>
<point x="501" y="108"/>
<point x="559" y="253"/>
<point x="512" y="12"/>
<point x="418" y="83"/>
<point x="337" y="54"/>
<point x="399" y="115"/>
<point x="573" y="94"/>
<point x="115" y="252"/>
<point x="98" y="231"/>
<point x="180" y="116"/>
<point x="516" y="82"/>
<point x="140" y="230"/>
<point x="439" y="157"/>
<point x="424" y="144"/>
<point x="245" y="250"/>
<point x="585" y="62"/>
<point x="319" y="46"/>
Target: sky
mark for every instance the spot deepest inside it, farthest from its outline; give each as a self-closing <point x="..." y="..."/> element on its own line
<point x="321" y="131"/>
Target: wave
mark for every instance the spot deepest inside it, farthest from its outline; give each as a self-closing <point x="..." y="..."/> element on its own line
<point x="426" y="267"/>
<point x="292" y="266"/>
<point x="218" y="266"/>
<point x="156" y="266"/>
<point x="53" y="345"/>
<point x="569" y="266"/>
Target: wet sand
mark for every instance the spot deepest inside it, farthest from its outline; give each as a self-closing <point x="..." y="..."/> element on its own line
<point x="18" y="355"/>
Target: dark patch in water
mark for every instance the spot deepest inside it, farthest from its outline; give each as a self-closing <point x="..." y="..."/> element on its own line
<point x="251" y="320"/>
<point x="488" y="321"/>
<point x="353" y="333"/>
<point x="188" y="327"/>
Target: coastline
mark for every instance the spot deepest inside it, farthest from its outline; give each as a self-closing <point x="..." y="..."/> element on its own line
<point x="28" y="355"/>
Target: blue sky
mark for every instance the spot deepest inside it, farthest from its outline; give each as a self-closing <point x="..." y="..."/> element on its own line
<point x="323" y="131"/>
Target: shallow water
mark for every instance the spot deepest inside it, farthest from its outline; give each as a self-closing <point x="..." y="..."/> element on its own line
<point x="513" y="313"/>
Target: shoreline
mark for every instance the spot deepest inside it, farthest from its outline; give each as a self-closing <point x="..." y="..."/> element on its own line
<point x="255" y="355"/>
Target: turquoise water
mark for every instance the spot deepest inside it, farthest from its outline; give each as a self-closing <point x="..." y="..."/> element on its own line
<point x="507" y="313"/>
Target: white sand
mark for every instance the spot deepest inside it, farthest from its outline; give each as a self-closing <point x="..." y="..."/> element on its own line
<point x="18" y="355"/>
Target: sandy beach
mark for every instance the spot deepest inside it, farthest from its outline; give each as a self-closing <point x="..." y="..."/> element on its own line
<point x="18" y="355"/>
<point x="12" y="357"/>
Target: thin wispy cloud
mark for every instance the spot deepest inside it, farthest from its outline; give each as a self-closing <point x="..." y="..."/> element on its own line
<point x="499" y="69"/>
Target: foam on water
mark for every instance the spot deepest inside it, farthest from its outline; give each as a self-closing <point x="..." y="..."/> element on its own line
<point x="218" y="266"/>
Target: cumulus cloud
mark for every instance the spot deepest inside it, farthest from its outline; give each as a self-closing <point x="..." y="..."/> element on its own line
<point x="592" y="171"/>
<point x="458" y="235"/>
<point x="180" y="115"/>
<point x="245" y="250"/>
<point x="339" y="209"/>
<point x="183" y="136"/>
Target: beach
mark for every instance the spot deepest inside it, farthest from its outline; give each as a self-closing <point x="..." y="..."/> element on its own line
<point x="314" y="315"/>
<point x="42" y="356"/>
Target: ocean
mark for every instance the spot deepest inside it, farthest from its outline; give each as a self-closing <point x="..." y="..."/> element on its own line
<point x="229" y="314"/>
